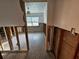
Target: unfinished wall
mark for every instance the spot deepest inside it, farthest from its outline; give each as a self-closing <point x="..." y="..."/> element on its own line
<point x="10" y="13"/>
<point x="67" y="14"/>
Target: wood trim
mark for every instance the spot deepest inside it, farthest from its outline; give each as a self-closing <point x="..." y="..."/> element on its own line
<point x="17" y="36"/>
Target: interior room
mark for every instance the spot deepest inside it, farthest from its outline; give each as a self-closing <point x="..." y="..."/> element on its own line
<point x="39" y="29"/>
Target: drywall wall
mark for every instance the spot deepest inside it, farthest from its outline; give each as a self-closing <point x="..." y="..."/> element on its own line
<point x="50" y="12"/>
<point x="10" y="13"/>
<point x="67" y="14"/>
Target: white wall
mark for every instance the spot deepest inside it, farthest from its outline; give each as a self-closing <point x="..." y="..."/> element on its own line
<point x="50" y="20"/>
<point x="10" y="13"/>
<point x="67" y="14"/>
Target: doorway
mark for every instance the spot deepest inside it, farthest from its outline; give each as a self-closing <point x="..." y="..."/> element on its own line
<point x="36" y="18"/>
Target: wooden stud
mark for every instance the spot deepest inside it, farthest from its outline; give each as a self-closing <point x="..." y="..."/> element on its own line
<point x="77" y="50"/>
<point x="1" y="56"/>
<point x="60" y="43"/>
<point x="1" y="44"/>
<point x="8" y="33"/>
<point x="26" y="35"/>
<point x="22" y="4"/>
<point x="13" y="31"/>
<point x="17" y="36"/>
<point x="46" y="38"/>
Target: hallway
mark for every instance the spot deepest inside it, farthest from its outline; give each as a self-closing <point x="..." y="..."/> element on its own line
<point x="37" y="51"/>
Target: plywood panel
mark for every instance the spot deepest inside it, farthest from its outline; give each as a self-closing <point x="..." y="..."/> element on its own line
<point x="67" y="52"/>
<point x="10" y="13"/>
<point x="69" y="46"/>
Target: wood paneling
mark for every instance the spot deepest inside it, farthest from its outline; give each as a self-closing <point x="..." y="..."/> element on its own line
<point x="69" y="45"/>
<point x="64" y="44"/>
<point x="57" y="41"/>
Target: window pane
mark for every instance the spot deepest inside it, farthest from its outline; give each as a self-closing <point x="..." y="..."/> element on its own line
<point x="32" y="21"/>
<point x="35" y="24"/>
<point x="29" y="24"/>
<point x="29" y="19"/>
<point x="35" y="19"/>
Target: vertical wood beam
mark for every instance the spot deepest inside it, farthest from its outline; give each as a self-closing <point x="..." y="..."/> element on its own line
<point x="12" y="29"/>
<point x="77" y="50"/>
<point x="17" y="36"/>
<point x="1" y="44"/>
<point x="46" y="38"/>
<point x="1" y="56"/>
<point x="8" y="33"/>
<point x="60" y="43"/>
<point x="26" y="35"/>
<point x="22" y="4"/>
<point x="5" y="32"/>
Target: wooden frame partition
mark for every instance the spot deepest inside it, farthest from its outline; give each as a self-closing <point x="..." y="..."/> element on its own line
<point x="8" y="37"/>
<point x="67" y="47"/>
<point x="22" y="4"/>
<point x="17" y="36"/>
<point x="65" y="44"/>
<point x="8" y="33"/>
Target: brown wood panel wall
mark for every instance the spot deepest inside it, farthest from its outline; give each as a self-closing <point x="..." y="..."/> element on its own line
<point x="57" y="41"/>
<point x="64" y="44"/>
<point x="69" y="46"/>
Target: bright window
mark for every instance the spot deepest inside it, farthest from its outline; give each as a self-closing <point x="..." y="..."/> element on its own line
<point x="32" y="21"/>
